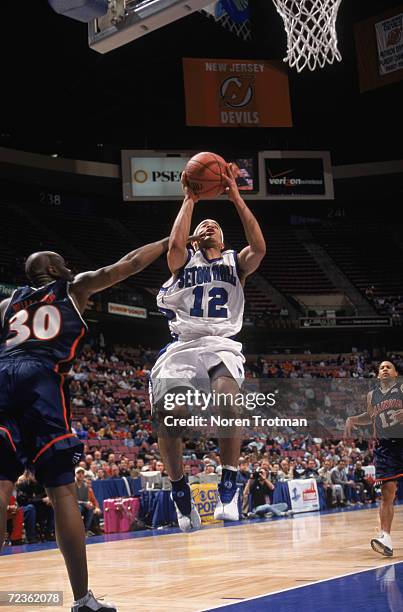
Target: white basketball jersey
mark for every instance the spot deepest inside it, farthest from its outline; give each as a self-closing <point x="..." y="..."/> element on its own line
<point x="205" y="298"/>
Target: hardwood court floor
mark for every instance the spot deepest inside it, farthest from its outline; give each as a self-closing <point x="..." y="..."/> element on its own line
<point x="215" y="566"/>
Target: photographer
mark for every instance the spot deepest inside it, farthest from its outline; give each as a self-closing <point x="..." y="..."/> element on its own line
<point x="259" y="487"/>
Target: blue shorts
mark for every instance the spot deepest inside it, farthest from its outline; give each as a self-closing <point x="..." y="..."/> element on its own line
<point x="388" y="461"/>
<point x="35" y="428"/>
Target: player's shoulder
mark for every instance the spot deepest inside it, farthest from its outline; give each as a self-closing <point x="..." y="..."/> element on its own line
<point x="230" y="253"/>
<point x="370" y="395"/>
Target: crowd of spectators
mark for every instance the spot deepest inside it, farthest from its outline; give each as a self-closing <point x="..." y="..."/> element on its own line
<point x="386" y="305"/>
<point x="109" y="389"/>
<point x="355" y="365"/>
<point x="111" y="414"/>
<point x="338" y="467"/>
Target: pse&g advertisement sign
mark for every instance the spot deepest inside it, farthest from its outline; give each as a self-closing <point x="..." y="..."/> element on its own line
<point x="156" y="176"/>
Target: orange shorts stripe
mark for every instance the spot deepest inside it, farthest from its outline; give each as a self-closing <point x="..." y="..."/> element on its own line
<point x="10" y="438"/>
<point x="45" y="448"/>
<point x="72" y="350"/>
<point x="64" y="403"/>
<point x="389" y="478"/>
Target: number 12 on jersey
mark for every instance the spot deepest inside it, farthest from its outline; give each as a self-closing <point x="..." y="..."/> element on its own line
<point x="218" y="298"/>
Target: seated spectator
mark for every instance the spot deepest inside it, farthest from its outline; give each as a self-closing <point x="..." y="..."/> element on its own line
<point x="88" y="461"/>
<point x="286" y="472"/>
<point x="83" y="498"/>
<point x="300" y="467"/>
<point x="92" y="472"/>
<point x="311" y="470"/>
<point x="80" y="431"/>
<point x="95" y="527"/>
<point x="243" y="473"/>
<point x="334" y="492"/>
<point x="259" y="487"/>
<point x="339" y="477"/>
<point x="160" y="467"/>
<point x="124" y="469"/>
<point x="187" y="471"/>
<point x="32" y="498"/>
<point x="114" y="471"/>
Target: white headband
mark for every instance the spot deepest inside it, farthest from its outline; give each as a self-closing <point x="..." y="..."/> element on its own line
<point x="201" y="223"/>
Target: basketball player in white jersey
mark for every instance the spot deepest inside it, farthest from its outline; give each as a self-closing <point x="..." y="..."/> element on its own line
<point x="204" y="303"/>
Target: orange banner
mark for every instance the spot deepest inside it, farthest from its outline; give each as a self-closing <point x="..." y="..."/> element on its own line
<point x="236" y="93"/>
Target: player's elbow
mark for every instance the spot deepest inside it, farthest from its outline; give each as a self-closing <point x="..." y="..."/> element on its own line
<point x="137" y="264"/>
<point x="262" y="248"/>
<point x="259" y="252"/>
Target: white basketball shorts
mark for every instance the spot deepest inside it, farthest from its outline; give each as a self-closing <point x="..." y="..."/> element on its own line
<point x="186" y="364"/>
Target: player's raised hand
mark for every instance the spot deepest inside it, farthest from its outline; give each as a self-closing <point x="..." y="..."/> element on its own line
<point x="231" y="189"/>
<point x="199" y="237"/>
<point x="187" y="189"/>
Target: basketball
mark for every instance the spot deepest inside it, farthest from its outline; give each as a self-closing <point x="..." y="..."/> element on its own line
<point x="204" y="173"/>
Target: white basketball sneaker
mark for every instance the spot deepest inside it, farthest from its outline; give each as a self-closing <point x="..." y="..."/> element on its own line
<point x="186" y="522"/>
<point x="90" y="604"/>
<point x="227" y="510"/>
<point x="383" y="544"/>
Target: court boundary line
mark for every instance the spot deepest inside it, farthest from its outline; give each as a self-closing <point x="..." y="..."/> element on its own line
<point x="302" y="586"/>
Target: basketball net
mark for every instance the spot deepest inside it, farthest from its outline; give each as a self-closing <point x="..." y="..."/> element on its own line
<point x="233" y="15"/>
<point x="311" y="32"/>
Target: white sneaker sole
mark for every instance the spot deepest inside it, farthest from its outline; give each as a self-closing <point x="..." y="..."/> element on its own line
<point x="188" y="523"/>
<point x="227" y="512"/>
<point x="223" y="516"/>
<point x="380" y="548"/>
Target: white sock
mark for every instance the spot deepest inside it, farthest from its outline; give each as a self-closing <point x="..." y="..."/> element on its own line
<point x="230" y="467"/>
<point x="83" y="600"/>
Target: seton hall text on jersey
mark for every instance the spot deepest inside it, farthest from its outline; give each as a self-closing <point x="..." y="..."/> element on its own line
<point x="199" y="275"/>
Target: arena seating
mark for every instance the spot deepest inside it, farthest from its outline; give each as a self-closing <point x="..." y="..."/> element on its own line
<point x="362" y="252"/>
<point x="89" y="241"/>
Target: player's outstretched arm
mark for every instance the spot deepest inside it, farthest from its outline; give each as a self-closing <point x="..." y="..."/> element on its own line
<point x="177" y="253"/>
<point x="250" y="257"/>
<point x="88" y="283"/>
<point x="365" y="418"/>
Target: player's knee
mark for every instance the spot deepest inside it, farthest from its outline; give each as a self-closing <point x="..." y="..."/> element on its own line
<point x="388" y="493"/>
